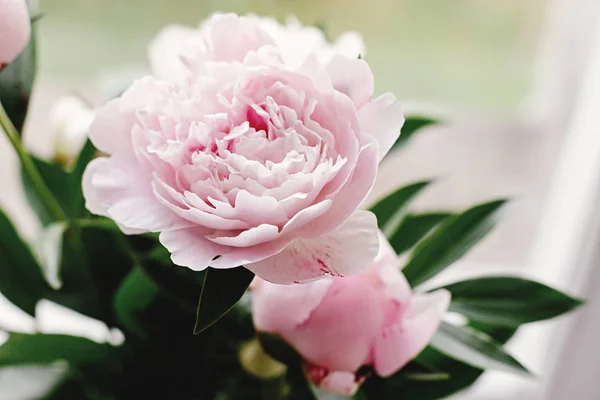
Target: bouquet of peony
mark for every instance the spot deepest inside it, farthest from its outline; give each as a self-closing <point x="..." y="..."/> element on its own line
<point x="215" y="221"/>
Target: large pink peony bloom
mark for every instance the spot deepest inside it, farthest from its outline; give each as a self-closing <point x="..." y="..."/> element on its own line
<point x="239" y="158"/>
<point x="15" y="29"/>
<point x="339" y="325"/>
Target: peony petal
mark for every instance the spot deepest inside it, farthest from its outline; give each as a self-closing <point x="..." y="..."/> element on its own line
<point x="167" y="48"/>
<point x="387" y="264"/>
<point x="382" y="119"/>
<point x="342" y="382"/>
<point x="230" y="37"/>
<point x="111" y="130"/>
<point x="116" y="187"/>
<point x="278" y="308"/>
<point x="352" y="77"/>
<point x="349" y="198"/>
<point x="249" y="237"/>
<point x="410" y="333"/>
<point x="346" y="251"/>
<point x="190" y="248"/>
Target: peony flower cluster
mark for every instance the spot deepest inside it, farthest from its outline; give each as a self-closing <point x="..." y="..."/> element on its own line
<point x="248" y="147"/>
<point x="339" y="325"/>
<point x="15" y="29"/>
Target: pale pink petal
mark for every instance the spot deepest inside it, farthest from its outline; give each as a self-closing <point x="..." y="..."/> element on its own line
<point x="279" y="308"/>
<point x="339" y="333"/>
<point x="249" y="237"/>
<point x="387" y="265"/>
<point x="342" y="382"/>
<point x="118" y="188"/>
<point x="15" y="29"/>
<point x="410" y="333"/>
<point x="382" y="118"/>
<point x="230" y="37"/>
<point x="167" y="48"/>
<point x="352" y="77"/>
<point x="111" y="130"/>
<point x="346" y="251"/>
<point x="191" y="248"/>
<point x="349" y="198"/>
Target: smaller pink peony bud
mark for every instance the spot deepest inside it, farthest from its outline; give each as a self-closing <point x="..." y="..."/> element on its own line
<point x="15" y="29"/>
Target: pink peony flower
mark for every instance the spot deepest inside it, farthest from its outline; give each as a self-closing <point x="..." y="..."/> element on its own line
<point x="238" y="158"/>
<point x="339" y="325"/>
<point x="15" y="29"/>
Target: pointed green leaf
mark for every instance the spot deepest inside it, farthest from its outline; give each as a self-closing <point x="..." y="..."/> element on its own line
<point x="413" y="228"/>
<point x="23" y="349"/>
<point x="411" y="126"/>
<point x="475" y="348"/>
<point x="391" y="209"/>
<point x="508" y="301"/>
<point x="451" y="240"/>
<point x="21" y="278"/>
<point x="57" y="180"/>
<point x="48" y="249"/>
<point x="16" y="82"/>
<point x="221" y="290"/>
<point x="75" y="177"/>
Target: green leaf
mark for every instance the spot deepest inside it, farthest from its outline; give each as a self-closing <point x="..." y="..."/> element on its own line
<point x="508" y="301"/>
<point x="413" y="228"/>
<point x="451" y="240"/>
<point x="134" y="296"/>
<point x="21" y="279"/>
<point x="221" y="290"/>
<point x="475" y="348"/>
<point x="391" y="209"/>
<point x="93" y="265"/>
<point x="22" y="349"/>
<point x="16" y="82"/>
<point x="75" y="177"/>
<point x="57" y="180"/>
<point x="411" y="126"/>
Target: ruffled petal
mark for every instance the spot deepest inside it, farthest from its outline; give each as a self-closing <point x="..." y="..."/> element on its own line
<point x="346" y="251"/>
<point x="382" y="118"/>
<point x="409" y="333"/>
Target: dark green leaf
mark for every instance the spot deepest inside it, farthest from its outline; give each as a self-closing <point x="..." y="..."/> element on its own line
<point x="134" y="296"/>
<point x="94" y="263"/>
<point x="412" y="125"/>
<point x="508" y="301"/>
<point x="475" y="348"/>
<point x="21" y="279"/>
<point x="22" y="349"/>
<point x="77" y="201"/>
<point x="391" y="209"/>
<point x="450" y="241"/>
<point x="413" y="228"/>
<point x="221" y="290"/>
<point x="16" y="82"/>
<point x="57" y="180"/>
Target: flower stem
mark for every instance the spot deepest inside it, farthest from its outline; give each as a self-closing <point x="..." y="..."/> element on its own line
<point x="44" y="193"/>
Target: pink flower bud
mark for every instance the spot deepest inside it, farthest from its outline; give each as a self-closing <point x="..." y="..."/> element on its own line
<point x="339" y="325"/>
<point x="15" y="29"/>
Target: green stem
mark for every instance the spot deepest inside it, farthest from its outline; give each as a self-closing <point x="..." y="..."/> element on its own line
<point x="44" y="193"/>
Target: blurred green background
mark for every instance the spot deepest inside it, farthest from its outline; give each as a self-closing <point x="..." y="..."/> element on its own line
<point x="475" y="54"/>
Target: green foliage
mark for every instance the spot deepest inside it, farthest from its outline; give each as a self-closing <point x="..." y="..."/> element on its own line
<point x="450" y="241"/>
<point x="508" y="301"/>
<point x="21" y="279"/>
<point x="391" y="209"/>
<point x="412" y="125"/>
<point x="221" y="290"/>
<point x="413" y="228"/>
